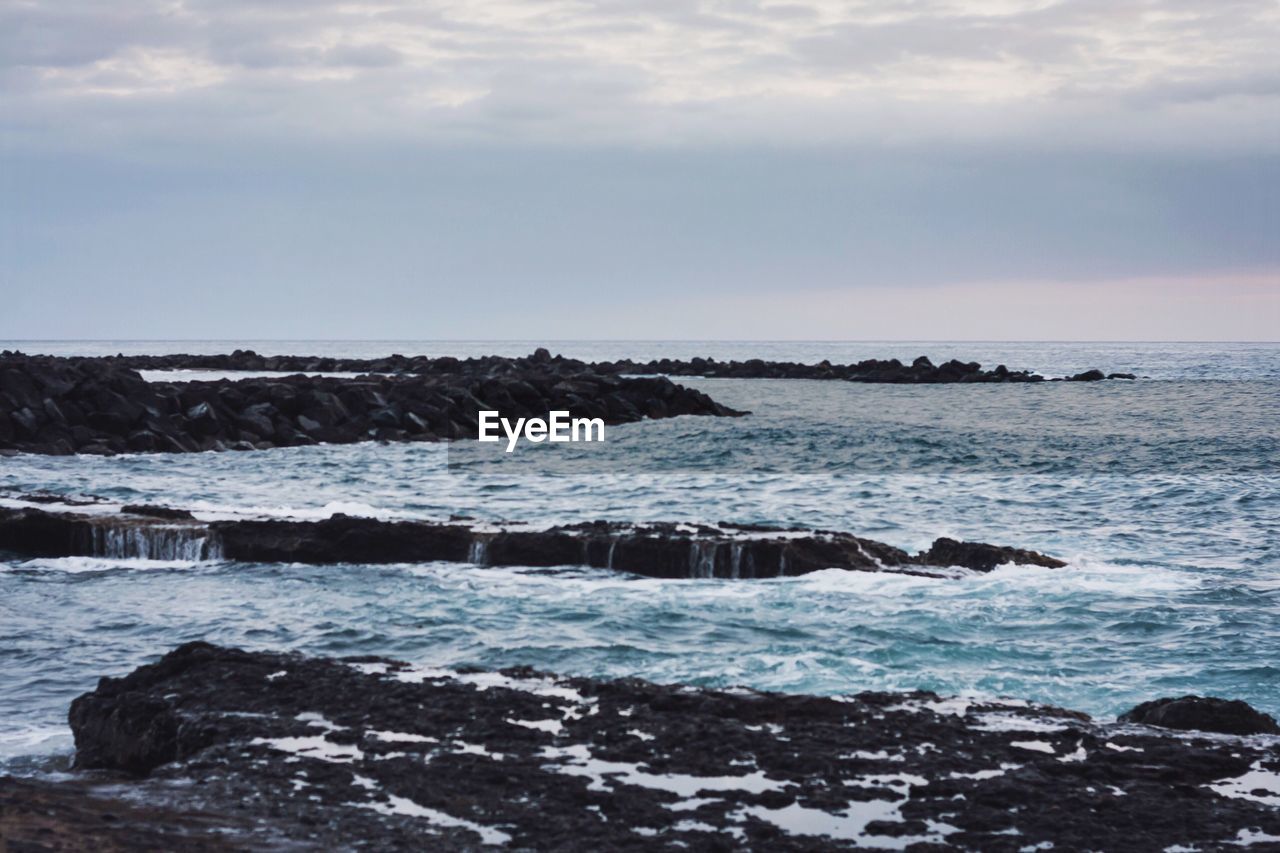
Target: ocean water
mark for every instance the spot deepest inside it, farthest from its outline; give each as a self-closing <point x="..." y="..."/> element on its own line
<point x="1164" y="496"/>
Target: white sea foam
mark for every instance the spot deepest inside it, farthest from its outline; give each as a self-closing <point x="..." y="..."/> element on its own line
<point x="79" y="565"/>
<point x="489" y="680"/>
<point x="1249" y="837"/>
<point x="580" y="762"/>
<point x="312" y="746"/>
<point x="847" y="825"/>
<point x="995" y="721"/>
<point x="1258" y="784"/>
<point x="25" y="739"/>
<point x="405" y="807"/>
<point x="401" y="737"/>
<point x="554" y="727"/>
<point x="198" y="375"/>
<point x="1034" y="745"/>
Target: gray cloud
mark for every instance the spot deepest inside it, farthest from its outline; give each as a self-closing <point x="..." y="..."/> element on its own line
<point x="479" y="167"/>
<point x="671" y="72"/>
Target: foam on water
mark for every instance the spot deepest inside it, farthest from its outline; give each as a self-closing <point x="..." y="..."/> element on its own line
<point x="78" y="565"/>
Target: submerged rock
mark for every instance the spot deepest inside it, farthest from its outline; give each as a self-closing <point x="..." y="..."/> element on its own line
<point x="266" y="749"/>
<point x="1205" y="714"/>
<point x="662" y="550"/>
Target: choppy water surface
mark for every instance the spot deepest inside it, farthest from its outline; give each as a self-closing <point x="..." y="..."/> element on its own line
<point x="1164" y="496"/>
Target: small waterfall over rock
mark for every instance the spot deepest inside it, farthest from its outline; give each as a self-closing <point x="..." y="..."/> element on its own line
<point x="155" y="542"/>
<point x="702" y="558"/>
<point x="478" y="553"/>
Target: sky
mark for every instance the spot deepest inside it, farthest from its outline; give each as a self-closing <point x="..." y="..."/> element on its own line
<point x="596" y="169"/>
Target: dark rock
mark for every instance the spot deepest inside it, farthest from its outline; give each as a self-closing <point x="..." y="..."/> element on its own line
<point x="1088" y="376"/>
<point x="982" y="557"/>
<point x="158" y="512"/>
<point x="308" y="425"/>
<point x="1203" y="713"/>
<point x="99" y="406"/>
<point x="276" y="750"/>
<point x="130" y="732"/>
<point x="202" y="419"/>
<point x="77" y="815"/>
<point x="26" y="422"/>
<point x="869" y="370"/>
<point x="663" y="550"/>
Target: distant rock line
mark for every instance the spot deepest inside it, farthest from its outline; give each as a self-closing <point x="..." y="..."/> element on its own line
<point x="61" y="406"/>
<point x="101" y="405"/>
<point x="920" y="371"/>
<point x="217" y="748"/>
<point x="655" y="550"/>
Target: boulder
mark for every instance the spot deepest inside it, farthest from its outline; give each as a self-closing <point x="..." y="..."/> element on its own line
<point x="1203" y="713"/>
<point x="982" y="557"/>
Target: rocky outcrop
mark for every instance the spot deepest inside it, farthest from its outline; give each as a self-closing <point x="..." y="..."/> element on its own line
<point x="891" y="370"/>
<point x="981" y="557"/>
<point x="279" y="750"/>
<point x="1205" y="714"/>
<point x="656" y="550"/>
<point x="63" y="406"/>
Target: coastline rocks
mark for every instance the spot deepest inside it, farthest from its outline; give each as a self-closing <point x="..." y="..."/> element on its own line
<point x="75" y="814"/>
<point x="921" y="370"/>
<point x="61" y="406"/>
<point x="158" y="512"/>
<point x="1203" y="713"/>
<point x="660" y="550"/>
<point x="321" y="754"/>
<point x="982" y="557"/>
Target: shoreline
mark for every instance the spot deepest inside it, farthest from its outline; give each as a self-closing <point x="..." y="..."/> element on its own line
<point x="264" y="748"/>
<point x="890" y="370"/>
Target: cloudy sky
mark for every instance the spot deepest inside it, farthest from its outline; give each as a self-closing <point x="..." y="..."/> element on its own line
<point x="1008" y="169"/>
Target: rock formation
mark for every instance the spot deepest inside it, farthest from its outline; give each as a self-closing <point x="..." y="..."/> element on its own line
<point x="891" y="370"/>
<point x="279" y="751"/>
<point x="655" y="550"/>
<point x="62" y="406"/>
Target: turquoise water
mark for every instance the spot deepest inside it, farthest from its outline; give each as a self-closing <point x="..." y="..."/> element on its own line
<point x="1164" y="495"/>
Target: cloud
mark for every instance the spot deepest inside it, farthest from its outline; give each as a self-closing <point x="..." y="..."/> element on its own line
<point x="572" y="72"/>
<point x="583" y="168"/>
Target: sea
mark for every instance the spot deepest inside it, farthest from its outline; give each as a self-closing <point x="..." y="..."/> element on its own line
<point x="1163" y="494"/>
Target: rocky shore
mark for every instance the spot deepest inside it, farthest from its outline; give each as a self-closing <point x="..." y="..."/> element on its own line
<point x="81" y="405"/>
<point x="217" y="748"/>
<point x="655" y="550"/>
<point x="891" y="370"/>
<point x="102" y="405"/>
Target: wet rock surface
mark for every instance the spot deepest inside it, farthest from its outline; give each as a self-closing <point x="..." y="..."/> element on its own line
<point x="921" y="370"/>
<point x="1204" y="713"/>
<point x="85" y="405"/>
<point x="370" y="753"/>
<point x="664" y="550"/>
<point x="84" y="815"/>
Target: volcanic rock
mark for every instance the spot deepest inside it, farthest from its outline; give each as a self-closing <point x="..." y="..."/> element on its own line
<point x="276" y="750"/>
<point x="87" y="405"/>
<point x="1205" y="714"/>
<point x="662" y="550"/>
